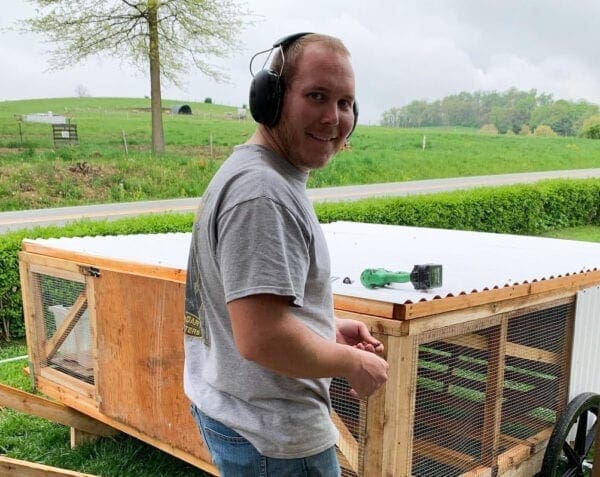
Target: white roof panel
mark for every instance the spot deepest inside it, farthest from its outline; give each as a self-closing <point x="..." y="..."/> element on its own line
<point x="471" y="261"/>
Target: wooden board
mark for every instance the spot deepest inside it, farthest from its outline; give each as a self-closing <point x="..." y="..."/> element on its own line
<point x="143" y="269"/>
<point x="139" y="323"/>
<point x="56" y="412"/>
<point x="22" y="468"/>
<point x="596" y="471"/>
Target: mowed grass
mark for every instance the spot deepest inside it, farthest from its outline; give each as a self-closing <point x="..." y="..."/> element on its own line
<point x="99" y="170"/>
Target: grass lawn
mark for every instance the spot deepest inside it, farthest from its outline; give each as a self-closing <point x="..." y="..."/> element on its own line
<point x="99" y="170"/>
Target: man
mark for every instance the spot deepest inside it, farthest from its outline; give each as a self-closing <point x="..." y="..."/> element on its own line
<point x="261" y="338"/>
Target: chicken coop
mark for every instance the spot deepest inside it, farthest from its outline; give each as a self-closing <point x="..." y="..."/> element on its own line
<point x="484" y="370"/>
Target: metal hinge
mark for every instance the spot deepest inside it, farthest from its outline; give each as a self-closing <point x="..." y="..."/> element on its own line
<point x="91" y="271"/>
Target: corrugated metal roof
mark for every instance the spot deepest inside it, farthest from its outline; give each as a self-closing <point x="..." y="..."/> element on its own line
<point x="472" y="261"/>
<point x="165" y="250"/>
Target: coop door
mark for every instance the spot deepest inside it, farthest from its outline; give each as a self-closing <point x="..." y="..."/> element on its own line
<point x="58" y="322"/>
<point x="484" y="394"/>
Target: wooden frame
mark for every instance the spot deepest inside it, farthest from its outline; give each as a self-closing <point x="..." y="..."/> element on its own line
<point x="23" y="468"/>
<point x="136" y="319"/>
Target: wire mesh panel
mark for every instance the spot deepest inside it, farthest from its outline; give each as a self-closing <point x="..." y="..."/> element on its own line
<point x="349" y="415"/>
<point x="483" y="392"/>
<point x="63" y="310"/>
<point x="536" y="372"/>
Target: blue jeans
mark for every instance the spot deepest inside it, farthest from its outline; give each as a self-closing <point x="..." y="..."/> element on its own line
<point x="234" y="456"/>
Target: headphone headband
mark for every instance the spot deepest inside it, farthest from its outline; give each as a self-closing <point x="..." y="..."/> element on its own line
<point x="289" y="39"/>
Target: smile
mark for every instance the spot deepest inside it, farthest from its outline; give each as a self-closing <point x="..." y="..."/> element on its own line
<point x="320" y="138"/>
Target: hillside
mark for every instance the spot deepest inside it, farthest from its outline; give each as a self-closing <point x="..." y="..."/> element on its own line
<point x="113" y="163"/>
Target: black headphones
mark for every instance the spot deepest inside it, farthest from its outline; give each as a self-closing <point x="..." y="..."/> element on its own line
<point x="267" y="88"/>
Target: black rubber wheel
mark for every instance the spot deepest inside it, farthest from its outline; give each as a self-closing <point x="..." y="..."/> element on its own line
<point x="569" y="459"/>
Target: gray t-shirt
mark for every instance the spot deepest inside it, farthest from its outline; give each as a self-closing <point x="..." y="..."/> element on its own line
<point x="256" y="232"/>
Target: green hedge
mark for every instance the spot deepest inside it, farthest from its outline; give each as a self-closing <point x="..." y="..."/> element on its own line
<point x="524" y="209"/>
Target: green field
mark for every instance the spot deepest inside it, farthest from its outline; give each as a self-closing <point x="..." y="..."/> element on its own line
<point x="35" y="175"/>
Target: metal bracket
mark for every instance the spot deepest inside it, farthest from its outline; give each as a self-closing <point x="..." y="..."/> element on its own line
<point x="91" y="271"/>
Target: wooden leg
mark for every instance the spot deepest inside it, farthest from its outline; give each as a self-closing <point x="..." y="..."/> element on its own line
<point x="79" y="437"/>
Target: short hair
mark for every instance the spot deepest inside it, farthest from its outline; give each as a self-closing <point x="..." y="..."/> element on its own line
<point x="291" y="53"/>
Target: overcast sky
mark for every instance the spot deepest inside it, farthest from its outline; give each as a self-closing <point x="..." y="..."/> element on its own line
<point x="402" y="50"/>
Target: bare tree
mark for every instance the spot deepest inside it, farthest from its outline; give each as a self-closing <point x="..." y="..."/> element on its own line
<point x="82" y="91"/>
<point x="162" y="37"/>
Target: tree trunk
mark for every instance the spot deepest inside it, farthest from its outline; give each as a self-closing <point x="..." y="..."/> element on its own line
<point x="158" y="137"/>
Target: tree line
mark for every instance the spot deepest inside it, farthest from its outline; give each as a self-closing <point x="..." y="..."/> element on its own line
<point x="510" y="111"/>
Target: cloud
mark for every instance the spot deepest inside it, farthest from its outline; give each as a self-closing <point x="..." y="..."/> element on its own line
<point x="401" y="51"/>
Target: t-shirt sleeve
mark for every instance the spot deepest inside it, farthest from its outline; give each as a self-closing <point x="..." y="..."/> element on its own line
<point x="262" y="248"/>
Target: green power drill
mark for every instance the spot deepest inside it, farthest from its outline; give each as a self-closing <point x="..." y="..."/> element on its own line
<point x="422" y="277"/>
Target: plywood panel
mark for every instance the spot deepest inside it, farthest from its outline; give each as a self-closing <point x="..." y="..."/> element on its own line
<point x="139" y="324"/>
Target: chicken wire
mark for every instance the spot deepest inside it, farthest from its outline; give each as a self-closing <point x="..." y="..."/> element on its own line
<point x="352" y="413"/>
<point x="67" y="344"/>
<point x="456" y="426"/>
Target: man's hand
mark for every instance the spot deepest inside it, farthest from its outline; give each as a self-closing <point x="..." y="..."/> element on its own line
<point x="368" y="376"/>
<point x="355" y="333"/>
<point x="371" y="371"/>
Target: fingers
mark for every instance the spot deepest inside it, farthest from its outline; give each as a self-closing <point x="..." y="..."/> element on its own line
<point x="377" y="348"/>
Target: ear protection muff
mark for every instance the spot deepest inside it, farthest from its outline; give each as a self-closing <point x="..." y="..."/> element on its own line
<point x="268" y="87"/>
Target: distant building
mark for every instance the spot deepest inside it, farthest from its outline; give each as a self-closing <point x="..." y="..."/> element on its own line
<point x="48" y="118"/>
<point x="181" y="109"/>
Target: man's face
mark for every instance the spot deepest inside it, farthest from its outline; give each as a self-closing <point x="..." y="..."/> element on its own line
<point x="317" y="113"/>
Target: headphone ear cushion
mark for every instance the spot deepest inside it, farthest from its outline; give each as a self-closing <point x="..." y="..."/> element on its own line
<point x="266" y="94"/>
<point x="355" y="111"/>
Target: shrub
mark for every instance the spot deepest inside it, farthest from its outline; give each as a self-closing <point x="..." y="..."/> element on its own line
<point x="525" y="130"/>
<point x="208" y="100"/>
<point x="591" y="127"/>
<point x="489" y="129"/>
<point x="544" y="131"/>
<point x="520" y="209"/>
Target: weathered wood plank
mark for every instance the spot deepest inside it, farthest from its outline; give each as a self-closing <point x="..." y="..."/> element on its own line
<point x="346" y="443"/>
<point x="103" y="263"/>
<point x="56" y="412"/>
<point x="367" y="307"/>
<point x="22" y="468"/>
<point x="596" y="470"/>
<point x="492" y="411"/>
